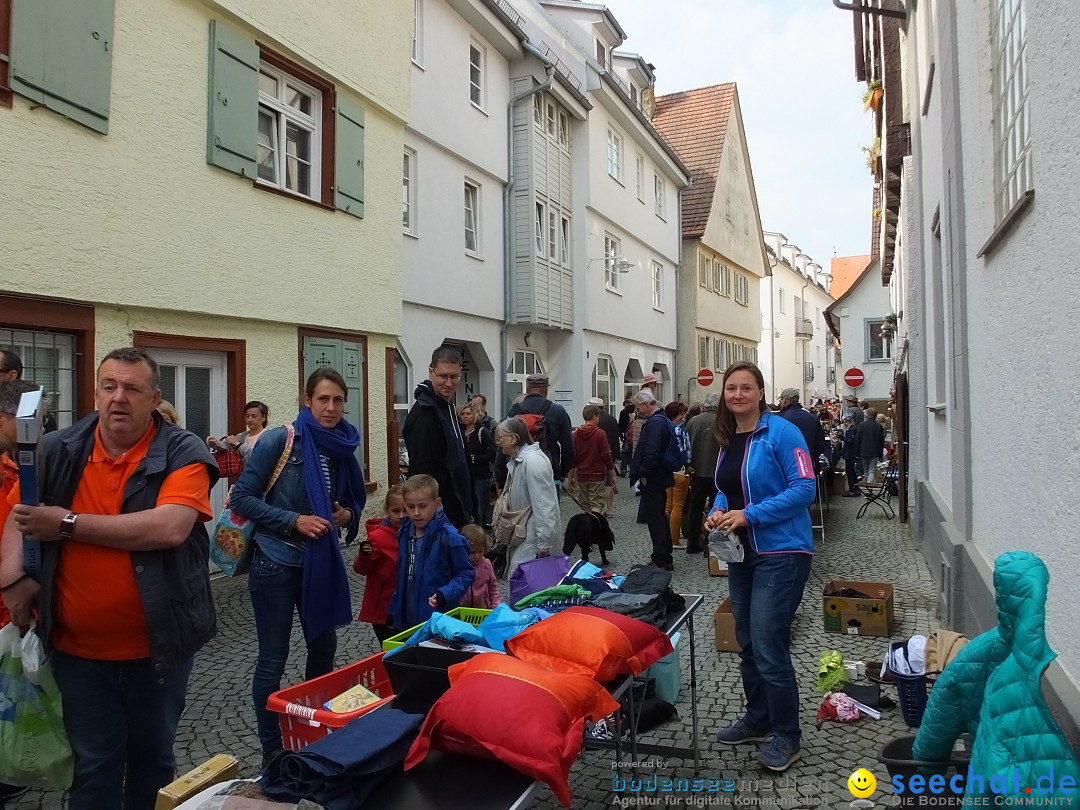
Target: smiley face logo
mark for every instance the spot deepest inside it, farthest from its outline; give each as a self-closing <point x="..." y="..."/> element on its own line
<point x="861" y="783"/>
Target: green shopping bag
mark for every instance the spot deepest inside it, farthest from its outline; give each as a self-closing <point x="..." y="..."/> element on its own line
<point x="34" y="748"/>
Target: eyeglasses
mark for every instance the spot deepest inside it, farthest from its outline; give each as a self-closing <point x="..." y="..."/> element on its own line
<point x="447" y="377"/>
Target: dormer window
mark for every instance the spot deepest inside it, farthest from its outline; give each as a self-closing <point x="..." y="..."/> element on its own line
<point x="635" y="95"/>
<point x="601" y="54"/>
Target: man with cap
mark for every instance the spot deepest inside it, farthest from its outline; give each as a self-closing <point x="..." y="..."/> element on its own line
<point x="558" y="441"/>
<point x="851" y="407"/>
<point x="808" y="424"/>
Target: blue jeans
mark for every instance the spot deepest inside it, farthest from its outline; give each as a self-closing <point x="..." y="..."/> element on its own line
<point x="653" y="504"/>
<point x="765" y="591"/>
<point x="276" y="592"/>
<point x="121" y="719"/>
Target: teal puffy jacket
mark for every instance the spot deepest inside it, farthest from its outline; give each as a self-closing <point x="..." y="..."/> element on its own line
<point x="991" y="689"/>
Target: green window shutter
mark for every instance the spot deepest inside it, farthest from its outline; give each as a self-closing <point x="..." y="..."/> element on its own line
<point x="233" y="118"/>
<point x="61" y="56"/>
<point x="349" y="157"/>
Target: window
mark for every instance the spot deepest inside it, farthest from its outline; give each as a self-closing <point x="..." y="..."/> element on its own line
<point x="640" y="164"/>
<point x="723" y="285"/>
<point x="417" y="30"/>
<point x="553" y="238"/>
<point x="878" y="346"/>
<point x="635" y="95"/>
<point x="601" y="53"/>
<point x="564" y="130"/>
<point x="476" y="76"/>
<point x="658" y="286"/>
<point x="472" y="219"/>
<point x="660" y="195"/>
<point x="538" y="109"/>
<point x="564" y="244"/>
<point x="716" y="282"/>
<point x="604" y="381"/>
<point x="780" y="300"/>
<point x="538" y="229"/>
<point x="612" y="253"/>
<point x="614" y="154"/>
<point x="717" y="347"/>
<point x="742" y="290"/>
<point x="408" y="191"/>
<point x="290" y="119"/>
<point x="703" y="272"/>
<point x="551" y="127"/>
<point x="1012" y="128"/>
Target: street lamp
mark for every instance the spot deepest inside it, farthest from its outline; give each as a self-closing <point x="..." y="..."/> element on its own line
<point x="620" y="264"/>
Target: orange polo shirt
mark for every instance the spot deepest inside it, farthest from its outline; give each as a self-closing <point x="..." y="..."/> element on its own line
<point x="99" y="613"/>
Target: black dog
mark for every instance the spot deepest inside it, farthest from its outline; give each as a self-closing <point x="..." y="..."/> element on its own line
<point x="586" y="530"/>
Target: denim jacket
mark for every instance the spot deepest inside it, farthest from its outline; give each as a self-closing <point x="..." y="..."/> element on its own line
<point x="275" y="514"/>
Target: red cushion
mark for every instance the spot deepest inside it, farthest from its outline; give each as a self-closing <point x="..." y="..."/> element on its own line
<point x="591" y="641"/>
<point x="525" y="716"/>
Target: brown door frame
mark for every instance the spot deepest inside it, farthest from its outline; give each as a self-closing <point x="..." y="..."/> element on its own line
<point x="235" y="358"/>
<point x="70" y="317"/>
<point x="393" y="441"/>
<point x="355" y="337"/>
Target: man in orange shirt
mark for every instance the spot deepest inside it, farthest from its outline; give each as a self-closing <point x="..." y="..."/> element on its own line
<point x="124" y="595"/>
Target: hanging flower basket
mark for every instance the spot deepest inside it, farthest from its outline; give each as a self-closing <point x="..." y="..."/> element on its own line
<point x="872" y="96"/>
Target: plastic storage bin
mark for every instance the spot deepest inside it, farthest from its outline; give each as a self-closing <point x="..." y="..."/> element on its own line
<point x="471" y="615"/>
<point x="896" y="756"/>
<point x="912" y="690"/>
<point x="667" y="672"/>
<point x="419" y="677"/>
<point x="302" y="718"/>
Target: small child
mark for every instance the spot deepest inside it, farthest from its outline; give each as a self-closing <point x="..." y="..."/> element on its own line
<point x="433" y="568"/>
<point x="377" y="560"/>
<point x="484" y="592"/>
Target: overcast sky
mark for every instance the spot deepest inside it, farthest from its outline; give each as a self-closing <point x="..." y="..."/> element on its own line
<point x="794" y="64"/>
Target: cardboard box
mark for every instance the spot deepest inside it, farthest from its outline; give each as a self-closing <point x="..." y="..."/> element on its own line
<point x="220" y="768"/>
<point x="717" y="567"/>
<point x="853" y="615"/>
<point x="725" y="628"/>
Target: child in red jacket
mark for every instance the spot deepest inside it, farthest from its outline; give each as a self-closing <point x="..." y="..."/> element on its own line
<point x="377" y="561"/>
<point x="484" y="592"/>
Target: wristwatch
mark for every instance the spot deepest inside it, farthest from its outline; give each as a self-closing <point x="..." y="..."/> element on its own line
<point x="67" y="526"/>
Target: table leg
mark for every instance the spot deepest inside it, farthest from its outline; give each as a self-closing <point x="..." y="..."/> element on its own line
<point x="632" y="710"/>
<point x="693" y="696"/>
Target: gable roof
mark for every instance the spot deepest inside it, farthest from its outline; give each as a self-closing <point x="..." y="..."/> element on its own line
<point x="845" y="271"/>
<point x="695" y="123"/>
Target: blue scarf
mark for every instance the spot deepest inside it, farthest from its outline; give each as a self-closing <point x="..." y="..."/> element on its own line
<point x="326" y="601"/>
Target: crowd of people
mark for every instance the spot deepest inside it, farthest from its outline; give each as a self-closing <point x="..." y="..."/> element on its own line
<point x="129" y="509"/>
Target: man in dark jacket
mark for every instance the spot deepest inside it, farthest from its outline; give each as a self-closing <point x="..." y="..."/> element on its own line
<point x="558" y="436"/>
<point x="870" y="444"/>
<point x="648" y="467"/>
<point x="123" y="588"/>
<point x="807" y="423"/>
<point x="433" y="436"/>
<point x="704" y="452"/>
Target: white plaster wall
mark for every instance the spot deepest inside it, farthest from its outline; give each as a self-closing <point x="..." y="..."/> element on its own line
<point x="868" y="300"/>
<point x="426" y="329"/>
<point x="1022" y="315"/>
<point x="138" y="218"/>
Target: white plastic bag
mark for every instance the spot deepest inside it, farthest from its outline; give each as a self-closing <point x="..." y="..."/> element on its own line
<point x="33" y="654"/>
<point x="727" y="547"/>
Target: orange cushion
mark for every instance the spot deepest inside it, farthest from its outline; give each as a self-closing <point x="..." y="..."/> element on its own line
<point x="591" y="641"/>
<point x="502" y="708"/>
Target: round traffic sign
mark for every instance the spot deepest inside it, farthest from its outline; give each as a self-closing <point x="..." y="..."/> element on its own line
<point x="704" y="377"/>
<point x="854" y="377"/>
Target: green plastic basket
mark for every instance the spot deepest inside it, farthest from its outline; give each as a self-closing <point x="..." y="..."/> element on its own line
<point x="466" y="614"/>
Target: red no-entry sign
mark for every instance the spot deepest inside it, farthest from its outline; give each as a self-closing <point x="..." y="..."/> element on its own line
<point x="704" y="378"/>
<point x="854" y="377"/>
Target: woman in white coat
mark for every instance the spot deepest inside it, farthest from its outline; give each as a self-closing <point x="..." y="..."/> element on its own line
<point x="529" y="483"/>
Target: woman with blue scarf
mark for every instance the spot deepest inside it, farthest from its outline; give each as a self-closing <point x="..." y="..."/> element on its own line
<point x="297" y="564"/>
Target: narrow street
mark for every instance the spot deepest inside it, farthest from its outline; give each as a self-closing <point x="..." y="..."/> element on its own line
<point x="219" y="718"/>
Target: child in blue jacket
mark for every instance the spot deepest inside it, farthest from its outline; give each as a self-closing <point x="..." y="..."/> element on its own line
<point x="433" y="568"/>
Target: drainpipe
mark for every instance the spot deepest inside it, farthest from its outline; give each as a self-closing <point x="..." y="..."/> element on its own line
<point x="679" y="266"/>
<point x="858" y="8"/>
<point x="507" y="230"/>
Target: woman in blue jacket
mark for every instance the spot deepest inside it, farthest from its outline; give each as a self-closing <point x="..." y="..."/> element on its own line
<point x="765" y="480"/>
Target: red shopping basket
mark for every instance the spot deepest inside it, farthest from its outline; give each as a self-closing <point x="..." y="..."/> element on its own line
<point x="300" y="708"/>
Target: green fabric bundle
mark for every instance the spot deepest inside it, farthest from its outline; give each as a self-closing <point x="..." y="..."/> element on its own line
<point x="831" y="671"/>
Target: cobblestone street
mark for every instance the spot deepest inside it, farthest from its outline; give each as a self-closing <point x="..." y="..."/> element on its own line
<point x="219" y="718"/>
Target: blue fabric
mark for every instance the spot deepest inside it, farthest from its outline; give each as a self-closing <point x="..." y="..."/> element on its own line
<point x="442" y="564"/>
<point x="992" y="688"/>
<point x="647" y="462"/>
<point x="810" y="427"/>
<point x="119" y="715"/>
<point x="779" y="485"/>
<point x="765" y="590"/>
<point x="439" y="625"/>
<point x="504" y="623"/>
<point x="326" y="601"/>
<point x="276" y="592"/>
<point x="340" y="770"/>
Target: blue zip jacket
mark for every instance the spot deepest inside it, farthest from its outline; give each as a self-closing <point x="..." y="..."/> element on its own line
<point x="778" y="487"/>
<point x="442" y="564"/>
